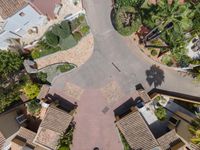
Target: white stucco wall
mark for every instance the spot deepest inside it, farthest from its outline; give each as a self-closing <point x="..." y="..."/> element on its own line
<point x="20" y="24"/>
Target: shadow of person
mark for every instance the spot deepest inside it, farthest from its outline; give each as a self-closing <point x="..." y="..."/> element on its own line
<point x="155" y="76"/>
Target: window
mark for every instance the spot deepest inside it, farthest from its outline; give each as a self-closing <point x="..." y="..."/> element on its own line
<point x="22" y="14"/>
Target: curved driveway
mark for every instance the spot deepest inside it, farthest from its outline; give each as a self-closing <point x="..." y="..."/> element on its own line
<point x="116" y="59"/>
<point x="111" y="51"/>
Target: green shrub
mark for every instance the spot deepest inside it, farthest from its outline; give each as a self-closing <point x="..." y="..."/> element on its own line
<point x="74" y="24"/>
<point x="40" y="53"/>
<point x="161" y="113"/>
<point x="154" y="52"/>
<point x="167" y="60"/>
<point x="121" y="3"/>
<point x="67" y="43"/>
<point x="51" y="38"/>
<point x="124" y="142"/>
<point x="65" y="26"/>
<point x="42" y="76"/>
<point x="77" y="36"/>
<point x="156" y="42"/>
<point x="127" y="21"/>
<point x="195" y="62"/>
<point x="33" y="107"/>
<point x="31" y="90"/>
<point x="81" y="18"/>
<point x="85" y="30"/>
<point x="65" y="67"/>
<point x="59" y="31"/>
<point x="66" y="139"/>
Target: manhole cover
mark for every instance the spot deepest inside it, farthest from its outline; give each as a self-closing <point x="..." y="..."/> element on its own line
<point x="105" y="110"/>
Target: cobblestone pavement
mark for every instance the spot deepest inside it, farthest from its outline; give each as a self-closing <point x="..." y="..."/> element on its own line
<point x="111" y="92"/>
<point x="77" y="55"/>
<point x="94" y="125"/>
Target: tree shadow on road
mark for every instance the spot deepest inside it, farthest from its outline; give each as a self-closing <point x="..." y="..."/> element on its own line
<point x="155" y="76"/>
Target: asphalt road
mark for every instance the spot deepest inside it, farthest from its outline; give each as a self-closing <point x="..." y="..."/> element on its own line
<point x="114" y="59"/>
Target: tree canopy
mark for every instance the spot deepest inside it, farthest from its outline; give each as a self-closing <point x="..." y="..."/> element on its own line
<point x="10" y="64"/>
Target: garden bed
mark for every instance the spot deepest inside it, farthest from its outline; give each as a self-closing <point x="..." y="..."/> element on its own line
<point x="167" y="30"/>
<point x="61" y="36"/>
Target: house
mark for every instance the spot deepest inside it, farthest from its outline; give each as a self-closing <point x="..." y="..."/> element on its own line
<point x="54" y="124"/>
<point x="136" y="132"/>
<point x="8" y="128"/>
<point x="14" y="136"/>
<point x="180" y="122"/>
<point x="17" y="18"/>
<point x="138" y="135"/>
<point x="24" y="140"/>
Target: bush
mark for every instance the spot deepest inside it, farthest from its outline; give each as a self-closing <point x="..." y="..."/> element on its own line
<point x="37" y="53"/>
<point x="85" y="30"/>
<point x="65" y="26"/>
<point x="161" y="113"/>
<point x="67" y="43"/>
<point x="33" y="107"/>
<point x="65" y="67"/>
<point x="66" y="139"/>
<point x="74" y="24"/>
<point x="167" y="60"/>
<point x="51" y="38"/>
<point x="77" y="36"/>
<point x="61" y="32"/>
<point x="121" y="3"/>
<point x="31" y="90"/>
<point x="154" y="52"/>
<point x="127" y="21"/>
<point x="42" y="76"/>
<point x="81" y="18"/>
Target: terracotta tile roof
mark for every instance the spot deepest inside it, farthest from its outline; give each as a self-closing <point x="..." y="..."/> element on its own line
<point x="56" y="120"/>
<point x="55" y="123"/>
<point x="10" y="7"/>
<point x="47" y="10"/>
<point x="136" y="132"/>
<point x="24" y="137"/>
<point x="27" y="134"/>
<point x="167" y="139"/>
<point x="2" y="140"/>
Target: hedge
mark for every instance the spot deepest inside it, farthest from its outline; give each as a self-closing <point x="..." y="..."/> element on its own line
<point x="65" y="67"/>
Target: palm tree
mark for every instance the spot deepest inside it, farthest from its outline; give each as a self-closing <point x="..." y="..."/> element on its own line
<point x="180" y="15"/>
<point x="17" y="46"/>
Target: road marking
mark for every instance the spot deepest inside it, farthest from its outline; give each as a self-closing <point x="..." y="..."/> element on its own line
<point x="116" y="67"/>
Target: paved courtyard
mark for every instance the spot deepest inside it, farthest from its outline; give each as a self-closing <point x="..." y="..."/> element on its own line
<point x="109" y="78"/>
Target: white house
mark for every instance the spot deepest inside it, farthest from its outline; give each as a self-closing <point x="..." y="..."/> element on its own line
<point x="18" y="17"/>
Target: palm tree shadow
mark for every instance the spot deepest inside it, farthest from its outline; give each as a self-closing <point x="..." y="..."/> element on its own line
<point x="155" y="76"/>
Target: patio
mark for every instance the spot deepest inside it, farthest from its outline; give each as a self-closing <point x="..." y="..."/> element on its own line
<point x="158" y="127"/>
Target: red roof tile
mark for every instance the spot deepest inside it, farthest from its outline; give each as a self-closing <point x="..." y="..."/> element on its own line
<point x="10" y="7"/>
<point x="45" y="7"/>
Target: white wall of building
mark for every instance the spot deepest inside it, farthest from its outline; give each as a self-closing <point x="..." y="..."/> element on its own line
<point x="17" y="25"/>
